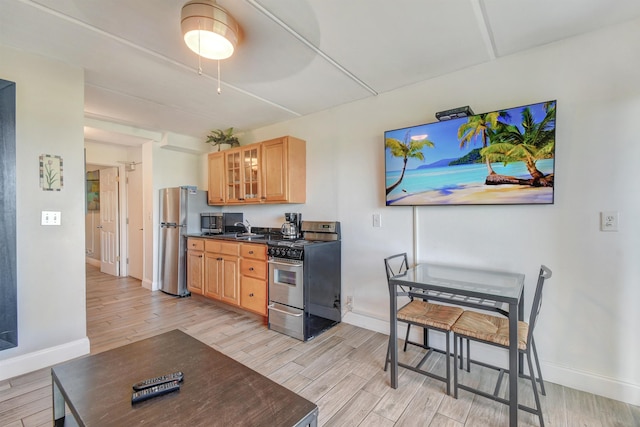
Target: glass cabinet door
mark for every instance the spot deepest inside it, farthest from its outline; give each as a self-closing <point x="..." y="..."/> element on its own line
<point x="250" y="164"/>
<point x="233" y="176"/>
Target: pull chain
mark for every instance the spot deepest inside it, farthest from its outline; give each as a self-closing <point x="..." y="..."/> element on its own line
<point x="200" y="58"/>
<point x="199" y="50"/>
<point x="219" y="90"/>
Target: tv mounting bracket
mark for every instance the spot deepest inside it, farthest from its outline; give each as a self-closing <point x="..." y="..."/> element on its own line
<point x="454" y="113"/>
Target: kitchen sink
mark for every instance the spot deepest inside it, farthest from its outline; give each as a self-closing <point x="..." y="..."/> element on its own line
<point x="247" y="236"/>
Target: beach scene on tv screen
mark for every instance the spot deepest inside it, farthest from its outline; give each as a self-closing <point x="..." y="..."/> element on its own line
<point x="501" y="157"/>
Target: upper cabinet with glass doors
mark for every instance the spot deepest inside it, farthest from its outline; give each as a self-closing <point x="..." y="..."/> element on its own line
<point x="272" y="171"/>
<point x="242" y="167"/>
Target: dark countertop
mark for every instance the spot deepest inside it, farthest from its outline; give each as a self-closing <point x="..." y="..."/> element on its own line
<point x="263" y="235"/>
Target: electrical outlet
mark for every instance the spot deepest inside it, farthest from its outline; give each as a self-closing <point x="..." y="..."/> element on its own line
<point x="609" y="221"/>
<point x="349" y="303"/>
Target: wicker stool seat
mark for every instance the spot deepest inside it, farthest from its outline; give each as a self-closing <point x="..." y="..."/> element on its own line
<point x="489" y="328"/>
<point x="433" y="315"/>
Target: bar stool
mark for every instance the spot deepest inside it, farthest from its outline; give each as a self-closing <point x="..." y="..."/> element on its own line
<point x="493" y="330"/>
<point x="423" y="314"/>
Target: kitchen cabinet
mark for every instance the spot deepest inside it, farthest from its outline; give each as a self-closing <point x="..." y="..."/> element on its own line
<point x="215" y="194"/>
<point x="272" y="171"/>
<point x="242" y="168"/>
<point x="229" y="271"/>
<point x="253" y="279"/>
<point x="222" y="280"/>
<point x="195" y="265"/>
<point x="284" y="170"/>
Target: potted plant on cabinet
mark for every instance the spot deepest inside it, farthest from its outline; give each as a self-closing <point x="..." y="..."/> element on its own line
<point x="219" y="137"/>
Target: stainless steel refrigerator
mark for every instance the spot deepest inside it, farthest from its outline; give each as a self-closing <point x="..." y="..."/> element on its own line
<point x="180" y="209"/>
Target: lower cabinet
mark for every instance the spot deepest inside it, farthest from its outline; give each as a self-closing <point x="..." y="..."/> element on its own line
<point x="230" y="280"/>
<point x="231" y="272"/>
<point x="253" y="280"/>
<point x="195" y="266"/>
<point x="212" y="275"/>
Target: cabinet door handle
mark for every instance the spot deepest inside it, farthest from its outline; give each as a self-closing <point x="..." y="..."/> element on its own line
<point x="250" y="252"/>
<point x="199" y="256"/>
<point x="251" y="294"/>
<point x="251" y="269"/>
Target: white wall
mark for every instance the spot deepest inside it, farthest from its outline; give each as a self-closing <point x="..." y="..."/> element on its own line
<point x="50" y="264"/>
<point x="587" y="334"/>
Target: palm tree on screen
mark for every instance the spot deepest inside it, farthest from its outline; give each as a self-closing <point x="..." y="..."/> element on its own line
<point x="480" y="126"/>
<point x="411" y="147"/>
<point x="536" y="141"/>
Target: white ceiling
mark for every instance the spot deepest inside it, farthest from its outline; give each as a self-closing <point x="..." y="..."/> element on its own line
<point x="296" y="56"/>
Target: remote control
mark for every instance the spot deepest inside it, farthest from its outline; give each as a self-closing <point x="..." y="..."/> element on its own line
<point x="158" y="390"/>
<point x="175" y="376"/>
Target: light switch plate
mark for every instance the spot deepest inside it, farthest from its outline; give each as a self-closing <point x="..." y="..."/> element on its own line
<point x="50" y="218"/>
<point x="377" y="220"/>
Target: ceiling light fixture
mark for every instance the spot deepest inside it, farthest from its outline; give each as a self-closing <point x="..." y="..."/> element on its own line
<point x="209" y="30"/>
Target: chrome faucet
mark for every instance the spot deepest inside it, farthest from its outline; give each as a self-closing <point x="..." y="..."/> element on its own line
<point x="245" y="224"/>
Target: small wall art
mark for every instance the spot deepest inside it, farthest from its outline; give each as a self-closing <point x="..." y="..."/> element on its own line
<point x="51" y="172"/>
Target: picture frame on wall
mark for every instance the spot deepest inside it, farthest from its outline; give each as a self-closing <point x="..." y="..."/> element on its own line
<point x="93" y="190"/>
<point x="51" y="169"/>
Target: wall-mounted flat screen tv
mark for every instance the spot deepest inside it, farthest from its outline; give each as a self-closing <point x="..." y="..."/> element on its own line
<point x="504" y="157"/>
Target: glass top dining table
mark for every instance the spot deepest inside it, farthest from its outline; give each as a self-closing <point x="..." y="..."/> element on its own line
<point x="484" y="289"/>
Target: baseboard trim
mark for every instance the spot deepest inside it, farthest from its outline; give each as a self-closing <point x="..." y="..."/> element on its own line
<point x="569" y="377"/>
<point x="592" y="383"/>
<point x="147" y="284"/>
<point x="30" y="362"/>
<point x="92" y="261"/>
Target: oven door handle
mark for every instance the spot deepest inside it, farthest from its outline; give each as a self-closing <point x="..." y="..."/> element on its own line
<point x="273" y="307"/>
<point x="286" y="264"/>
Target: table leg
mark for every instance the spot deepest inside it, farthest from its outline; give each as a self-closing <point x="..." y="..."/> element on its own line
<point x="513" y="365"/>
<point x="393" y="332"/>
<point x="58" y="405"/>
<point x="521" y="318"/>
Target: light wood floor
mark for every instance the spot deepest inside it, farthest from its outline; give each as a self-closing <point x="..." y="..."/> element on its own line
<point x="341" y="371"/>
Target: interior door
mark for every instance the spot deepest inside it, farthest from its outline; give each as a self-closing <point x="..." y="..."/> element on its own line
<point x="109" y="223"/>
<point x="135" y="230"/>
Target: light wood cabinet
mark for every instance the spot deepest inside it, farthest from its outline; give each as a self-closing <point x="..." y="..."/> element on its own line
<point x="242" y="169"/>
<point x="231" y="272"/>
<point x="212" y="275"/>
<point x="253" y="280"/>
<point x="222" y="279"/>
<point x="272" y="171"/>
<point x="284" y="170"/>
<point x="215" y="194"/>
<point x="254" y="295"/>
<point x="195" y="266"/>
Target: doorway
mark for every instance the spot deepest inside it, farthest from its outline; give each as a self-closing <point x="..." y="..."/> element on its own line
<point x="109" y="222"/>
<point x="114" y="219"/>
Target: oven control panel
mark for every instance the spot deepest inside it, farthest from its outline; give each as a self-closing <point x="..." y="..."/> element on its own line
<point x="285" y="252"/>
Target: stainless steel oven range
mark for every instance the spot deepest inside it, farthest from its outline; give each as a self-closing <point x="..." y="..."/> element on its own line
<point x="305" y="281"/>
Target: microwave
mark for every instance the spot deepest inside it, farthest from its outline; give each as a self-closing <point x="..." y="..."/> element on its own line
<point x="220" y="222"/>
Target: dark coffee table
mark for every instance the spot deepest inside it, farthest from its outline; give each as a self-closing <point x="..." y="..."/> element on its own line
<point x="216" y="391"/>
